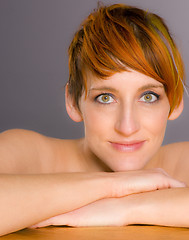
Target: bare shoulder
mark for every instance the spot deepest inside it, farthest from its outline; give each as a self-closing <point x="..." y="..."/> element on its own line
<point x="25" y="151"/>
<point x="174" y="158"/>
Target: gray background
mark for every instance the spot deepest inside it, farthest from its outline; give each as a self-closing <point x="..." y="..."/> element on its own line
<point x="34" y="37"/>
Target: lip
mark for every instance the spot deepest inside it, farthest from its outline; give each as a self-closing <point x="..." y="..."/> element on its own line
<point x="130" y="146"/>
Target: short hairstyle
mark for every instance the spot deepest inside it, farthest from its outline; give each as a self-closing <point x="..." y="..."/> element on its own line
<point x="117" y="38"/>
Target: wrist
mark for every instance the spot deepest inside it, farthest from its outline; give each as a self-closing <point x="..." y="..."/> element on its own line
<point x="102" y="183"/>
<point x="144" y="209"/>
<point x="97" y="185"/>
<point x="137" y="209"/>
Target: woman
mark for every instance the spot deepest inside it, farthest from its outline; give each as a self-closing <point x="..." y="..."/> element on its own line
<point x="126" y="81"/>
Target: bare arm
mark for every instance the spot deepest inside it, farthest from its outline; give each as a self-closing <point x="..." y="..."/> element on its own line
<point x="27" y="198"/>
<point x="27" y="194"/>
<point x="168" y="207"/>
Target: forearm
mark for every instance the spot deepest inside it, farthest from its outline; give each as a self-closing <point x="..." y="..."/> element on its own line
<point x="168" y="207"/>
<point x="117" y="204"/>
<point x="28" y="199"/>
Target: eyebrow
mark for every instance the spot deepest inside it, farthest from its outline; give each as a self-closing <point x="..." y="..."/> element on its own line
<point x="150" y="86"/>
<point x="115" y="90"/>
<point x="103" y="89"/>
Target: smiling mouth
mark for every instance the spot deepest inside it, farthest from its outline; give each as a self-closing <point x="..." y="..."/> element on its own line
<point x="127" y="147"/>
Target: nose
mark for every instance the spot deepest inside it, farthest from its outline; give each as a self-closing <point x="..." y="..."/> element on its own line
<point x="128" y="121"/>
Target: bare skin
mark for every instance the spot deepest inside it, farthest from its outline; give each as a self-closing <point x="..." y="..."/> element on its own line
<point x="48" y="154"/>
<point x="39" y="169"/>
<point x="165" y="207"/>
<point x="119" y="161"/>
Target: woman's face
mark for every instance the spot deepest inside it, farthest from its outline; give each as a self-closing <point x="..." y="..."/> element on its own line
<point x="125" y="119"/>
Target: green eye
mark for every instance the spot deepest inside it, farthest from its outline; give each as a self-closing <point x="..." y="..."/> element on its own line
<point x="149" y="97"/>
<point x="104" y="98"/>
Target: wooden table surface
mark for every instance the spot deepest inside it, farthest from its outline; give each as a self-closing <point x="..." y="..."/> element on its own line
<point x="101" y="233"/>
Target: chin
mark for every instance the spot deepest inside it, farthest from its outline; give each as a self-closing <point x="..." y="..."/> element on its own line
<point x="127" y="165"/>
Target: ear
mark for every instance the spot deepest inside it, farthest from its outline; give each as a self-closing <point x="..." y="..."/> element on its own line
<point x="72" y="110"/>
<point x="177" y="111"/>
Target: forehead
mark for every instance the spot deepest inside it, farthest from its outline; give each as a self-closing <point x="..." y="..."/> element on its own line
<point x="125" y="79"/>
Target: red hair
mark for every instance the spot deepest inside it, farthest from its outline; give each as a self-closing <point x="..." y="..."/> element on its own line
<point x="119" y="37"/>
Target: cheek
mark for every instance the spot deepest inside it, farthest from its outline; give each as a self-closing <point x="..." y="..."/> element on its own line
<point x="96" y="121"/>
<point x="156" y="122"/>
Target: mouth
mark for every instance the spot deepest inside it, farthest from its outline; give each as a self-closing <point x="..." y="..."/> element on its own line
<point x="127" y="146"/>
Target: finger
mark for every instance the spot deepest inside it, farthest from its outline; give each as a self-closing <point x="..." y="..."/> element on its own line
<point x="173" y="183"/>
<point x="177" y="184"/>
<point x="41" y="224"/>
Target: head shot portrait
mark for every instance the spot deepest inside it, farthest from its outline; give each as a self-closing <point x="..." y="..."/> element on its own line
<point x="95" y="107"/>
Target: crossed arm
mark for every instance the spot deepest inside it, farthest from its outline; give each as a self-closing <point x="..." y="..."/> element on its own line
<point x="27" y="199"/>
<point x="83" y="199"/>
<point x="167" y="207"/>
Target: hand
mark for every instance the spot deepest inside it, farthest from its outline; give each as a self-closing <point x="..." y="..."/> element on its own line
<point x="165" y="207"/>
<point x="105" y="212"/>
<point x="126" y="183"/>
<point x="110" y="211"/>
